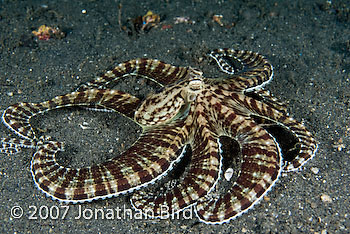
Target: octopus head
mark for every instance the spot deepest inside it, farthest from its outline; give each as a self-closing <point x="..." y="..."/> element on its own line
<point x="172" y="103"/>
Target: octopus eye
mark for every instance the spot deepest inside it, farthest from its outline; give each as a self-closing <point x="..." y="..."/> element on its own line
<point x="195" y="85"/>
<point x="191" y="97"/>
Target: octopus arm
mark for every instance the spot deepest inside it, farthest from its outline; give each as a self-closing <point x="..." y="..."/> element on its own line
<point x="150" y="158"/>
<point x="17" y="117"/>
<point x="152" y="69"/>
<point x="261" y="167"/>
<point x="277" y="114"/>
<point x="248" y="70"/>
<point x="199" y="180"/>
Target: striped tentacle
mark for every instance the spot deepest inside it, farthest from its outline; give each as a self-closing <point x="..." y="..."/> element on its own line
<point x="158" y="71"/>
<point x="307" y="144"/>
<point x="261" y="166"/>
<point x="7" y="148"/>
<point x="17" y="117"/>
<point x="201" y="177"/>
<point x="150" y="158"/>
<point x="266" y="97"/>
<point x="13" y="145"/>
<point x="255" y="70"/>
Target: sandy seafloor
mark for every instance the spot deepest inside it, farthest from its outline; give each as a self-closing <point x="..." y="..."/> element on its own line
<point x="308" y="43"/>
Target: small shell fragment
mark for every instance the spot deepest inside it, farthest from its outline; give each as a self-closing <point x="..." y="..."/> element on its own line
<point x="228" y="174"/>
<point x="315" y="170"/>
<point x="325" y="198"/>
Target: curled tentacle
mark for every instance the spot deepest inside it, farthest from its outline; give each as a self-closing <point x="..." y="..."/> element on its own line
<point x="252" y="71"/>
<point x="150" y="158"/>
<point x="201" y="177"/>
<point x="17" y="117"/>
<point x="261" y="166"/>
<point x="153" y="69"/>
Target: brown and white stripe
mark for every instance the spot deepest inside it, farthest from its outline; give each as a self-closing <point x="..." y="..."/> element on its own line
<point x="200" y="179"/>
<point x="277" y="113"/>
<point x="17" y="117"/>
<point x="261" y="167"/>
<point x="255" y="70"/>
<point x="150" y="158"/>
<point x="153" y="69"/>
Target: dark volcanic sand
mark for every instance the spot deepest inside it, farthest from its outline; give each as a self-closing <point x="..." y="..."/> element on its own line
<point x="307" y="42"/>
